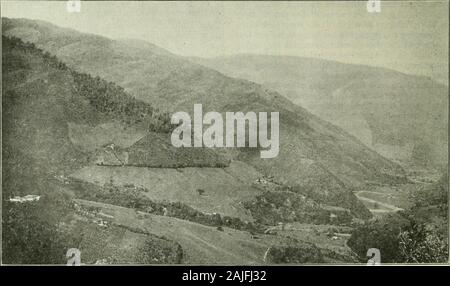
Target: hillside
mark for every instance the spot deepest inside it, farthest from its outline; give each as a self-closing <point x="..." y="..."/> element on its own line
<point x="202" y="244"/>
<point x="316" y="157"/>
<point x="403" y="117"/>
<point x="46" y="108"/>
<point x="55" y="124"/>
<point x="43" y="99"/>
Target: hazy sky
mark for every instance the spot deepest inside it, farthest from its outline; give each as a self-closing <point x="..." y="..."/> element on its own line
<point x="406" y="36"/>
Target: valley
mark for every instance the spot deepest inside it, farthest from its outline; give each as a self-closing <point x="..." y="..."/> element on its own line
<point x="86" y="126"/>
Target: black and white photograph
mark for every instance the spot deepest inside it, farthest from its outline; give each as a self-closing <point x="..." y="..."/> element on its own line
<point x="224" y="133"/>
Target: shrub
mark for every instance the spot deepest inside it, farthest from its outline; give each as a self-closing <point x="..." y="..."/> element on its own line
<point x="421" y="245"/>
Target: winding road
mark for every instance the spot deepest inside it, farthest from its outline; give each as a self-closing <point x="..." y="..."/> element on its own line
<point x="389" y="207"/>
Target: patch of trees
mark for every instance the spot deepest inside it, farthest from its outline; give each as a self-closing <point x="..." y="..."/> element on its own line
<point x="160" y="252"/>
<point x="273" y="207"/>
<point x="338" y="196"/>
<point x="30" y="230"/>
<point x="421" y="244"/>
<point x="112" y="100"/>
<point x="106" y="97"/>
<point x="380" y="233"/>
<point x="17" y="45"/>
<point x="417" y="235"/>
<point x="30" y="240"/>
<point x="400" y="239"/>
<point x="156" y="150"/>
<point x="294" y="253"/>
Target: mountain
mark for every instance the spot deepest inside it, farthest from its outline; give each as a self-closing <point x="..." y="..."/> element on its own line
<point x="401" y="116"/>
<point x="55" y="122"/>
<point x="41" y="98"/>
<point x="162" y="205"/>
<point x="316" y="158"/>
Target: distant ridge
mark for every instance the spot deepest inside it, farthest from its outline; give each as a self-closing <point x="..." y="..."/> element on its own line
<point x="403" y="117"/>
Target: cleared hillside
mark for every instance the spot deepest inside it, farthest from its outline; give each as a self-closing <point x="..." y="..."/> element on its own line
<point x="44" y="106"/>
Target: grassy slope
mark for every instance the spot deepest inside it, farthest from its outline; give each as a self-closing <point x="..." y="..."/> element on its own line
<point x="223" y="188"/>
